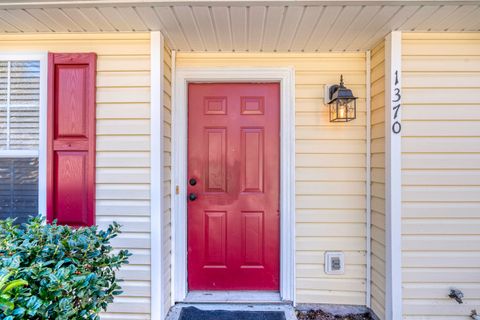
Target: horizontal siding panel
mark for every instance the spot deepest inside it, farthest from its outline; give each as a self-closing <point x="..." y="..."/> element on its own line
<point x="455" y="259"/>
<point x="132" y="241"/>
<point x="422" y="64"/>
<point x="326" y="133"/>
<point x="130" y="305"/>
<point x="464" y="227"/>
<point x="123" y="175"/>
<point x="330" y="216"/>
<point x="115" y="47"/>
<point x="123" y="95"/>
<point x="123" y="143"/>
<point x="312" y="271"/>
<point x="128" y="224"/>
<point x="318" y="258"/>
<point x="332" y="243"/>
<point x="123" y="79"/>
<point x="435" y="308"/>
<point x="138" y="257"/>
<point x="330" y="230"/>
<point x="440" y="178"/>
<point x="329" y="284"/>
<point x="124" y="316"/>
<point x="441" y="242"/>
<point x="333" y="174"/>
<point x="441" y="145"/>
<point x="123" y="191"/>
<point x="438" y="80"/>
<point x="441" y="275"/>
<point x="123" y="160"/>
<point x="329" y="160"/>
<point x="378" y="160"/>
<point x="441" y="35"/>
<point x="440" y="209"/>
<point x="440" y="128"/>
<point x="330" y="187"/>
<point x="123" y="111"/>
<point x="330" y="146"/>
<point x="308" y="77"/>
<point x="440" y="96"/>
<point x="136" y="288"/>
<point x="446" y="193"/>
<point x="432" y="47"/>
<point x="134" y="63"/>
<point x="331" y="297"/>
<point x="120" y="127"/>
<point x="431" y="112"/>
<point x="331" y="202"/>
<point x="445" y="161"/>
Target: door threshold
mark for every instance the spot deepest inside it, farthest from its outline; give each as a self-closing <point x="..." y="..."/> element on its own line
<point x="246" y="296"/>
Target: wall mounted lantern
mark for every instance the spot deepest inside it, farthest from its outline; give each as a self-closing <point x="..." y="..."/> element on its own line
<point x="341" y="102"/>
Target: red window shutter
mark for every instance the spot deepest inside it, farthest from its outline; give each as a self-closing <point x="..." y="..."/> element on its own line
<point x="71" y="138"/>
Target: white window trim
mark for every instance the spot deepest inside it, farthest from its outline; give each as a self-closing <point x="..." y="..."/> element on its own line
<point x="286" y="78"/>
<point x="42" y="143"/>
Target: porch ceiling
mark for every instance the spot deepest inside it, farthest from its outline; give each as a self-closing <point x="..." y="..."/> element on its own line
<point x="254" y="26"/>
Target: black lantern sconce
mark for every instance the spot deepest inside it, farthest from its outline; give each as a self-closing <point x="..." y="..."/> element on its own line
<point x="341" y="102"/>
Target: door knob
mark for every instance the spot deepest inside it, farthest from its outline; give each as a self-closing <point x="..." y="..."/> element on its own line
<point x="192" y="181"/>
<point x="192" y="196"/>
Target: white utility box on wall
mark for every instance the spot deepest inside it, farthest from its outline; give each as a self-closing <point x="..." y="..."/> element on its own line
<point x="334" y="262"/>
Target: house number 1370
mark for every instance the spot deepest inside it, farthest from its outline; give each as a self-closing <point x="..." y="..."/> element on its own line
<point x="396" y="99"/>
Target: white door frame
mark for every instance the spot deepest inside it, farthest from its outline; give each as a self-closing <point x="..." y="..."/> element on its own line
<point x="284" y="76"/>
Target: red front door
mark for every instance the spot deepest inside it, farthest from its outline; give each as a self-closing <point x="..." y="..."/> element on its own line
<point x="233" y="187"/>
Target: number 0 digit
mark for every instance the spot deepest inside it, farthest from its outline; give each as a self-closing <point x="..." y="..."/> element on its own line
<point x="396" y="127"/>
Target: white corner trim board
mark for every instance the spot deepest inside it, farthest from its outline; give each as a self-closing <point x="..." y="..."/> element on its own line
<point x="393" y="167"/>
<point x="286" y="78"/>
<point x="156" y="175"/>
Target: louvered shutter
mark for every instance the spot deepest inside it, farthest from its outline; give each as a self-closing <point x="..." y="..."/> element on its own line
<point x="71" y="138"/>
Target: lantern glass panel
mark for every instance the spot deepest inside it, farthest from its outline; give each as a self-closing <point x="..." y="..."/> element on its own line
<point x="333" y="112"/>
<point x="351" y="113"/>
<point x="342" y="110"/>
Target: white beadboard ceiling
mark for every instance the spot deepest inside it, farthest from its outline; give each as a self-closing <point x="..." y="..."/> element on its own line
<point x="254" y="26"/>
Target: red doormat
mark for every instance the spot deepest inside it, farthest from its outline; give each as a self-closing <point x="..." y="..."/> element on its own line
<point x="192" y="313"/>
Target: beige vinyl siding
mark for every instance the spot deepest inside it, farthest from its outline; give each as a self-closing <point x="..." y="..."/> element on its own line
<point x="330" y="170"/>
<point x="378" y="179"/>
<point x="167" y="178"/>
<point x="441" y="174"/>
<point x="123" y="143"/>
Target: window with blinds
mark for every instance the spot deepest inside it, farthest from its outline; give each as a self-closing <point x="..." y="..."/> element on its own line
<point x="19" y="138"/>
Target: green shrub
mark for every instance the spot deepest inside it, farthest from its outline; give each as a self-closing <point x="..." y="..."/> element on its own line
<point x="7" y="291"/>
<point x="70" y="272"/>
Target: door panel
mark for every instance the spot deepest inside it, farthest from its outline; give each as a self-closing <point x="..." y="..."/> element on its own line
<point x="233" y="154"/>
